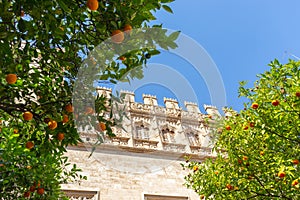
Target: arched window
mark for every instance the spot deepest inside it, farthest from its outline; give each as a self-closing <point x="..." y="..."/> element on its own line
<point x="142" y="132"/>
<point x="168" y="135"/>
<point x="193" y="139"/>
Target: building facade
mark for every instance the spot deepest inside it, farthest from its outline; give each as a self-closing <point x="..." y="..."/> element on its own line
<point x="143" y="161"/>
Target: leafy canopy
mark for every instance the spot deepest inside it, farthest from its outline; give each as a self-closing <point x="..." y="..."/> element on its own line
<point x="259" y="147"/>
<point x="42" y="46"/>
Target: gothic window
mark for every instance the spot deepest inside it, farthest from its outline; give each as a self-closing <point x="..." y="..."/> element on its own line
<point x="193" y="139"/>
<point x="142" y="132"/>
<point x="168" y="136"/>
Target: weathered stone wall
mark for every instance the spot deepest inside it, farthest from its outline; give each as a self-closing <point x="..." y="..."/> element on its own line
<point x="129" y="176"/>
<point x="145" y="157"/>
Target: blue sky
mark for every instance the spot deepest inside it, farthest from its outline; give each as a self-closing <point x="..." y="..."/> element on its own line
<point x="241" y="37"/>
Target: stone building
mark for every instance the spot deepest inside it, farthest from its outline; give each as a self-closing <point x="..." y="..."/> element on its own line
<point x="143" y="161"/>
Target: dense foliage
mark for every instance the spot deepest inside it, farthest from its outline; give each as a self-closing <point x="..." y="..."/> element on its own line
<point x="42" y="46"/>
<point x="259" y="147"/>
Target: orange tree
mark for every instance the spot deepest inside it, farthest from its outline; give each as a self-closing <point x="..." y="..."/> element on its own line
<point x="258" y="147"/>
<point x="42" y="45"/>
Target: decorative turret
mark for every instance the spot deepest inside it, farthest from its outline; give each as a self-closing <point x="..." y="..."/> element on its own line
<point x="171" y="103"/>
<point x="212" y="110"/>
<point x="150" y="99"/>
<point x="192" y="107"/>
<point x="104" y="91"/>
<point x="129" y="96"/>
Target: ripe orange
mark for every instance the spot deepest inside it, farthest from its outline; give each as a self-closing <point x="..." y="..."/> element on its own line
<point x="32" y="188"/>
<point x="195" y="168"/>
<point x="254" y="105"/>
<point x="275" y="102"/>
<point x="65" y="119"/>
<point x="11" y="78"/>
<point x="281" y="174"/>
<point x="209" y="116"/>
<point x="40" y="191"/>
<point x="29" y="145"/>
<point x="92" y="4"/>
<point x="229" y="187"/>
<point x="261" y="153"/>
<point x="296" y="162"/>
<point x="245" y="158"/>
<point x="251" y="124"/>
<point x="60" y="136"/>
<point x="117" y="36"/>
<point x="228" y="128"/>
<point x="295" y="182"/>
<point x="16" y="131"/>
<point x="216" y="172"/>
<point x="26" y="194"/>
<point x="52" y="125"/>
<point x="122" y="58"/>
<point x="127" y="28"/>
<point x="246" y="128"/>
<point x="102" y="126"/>
<point x="27" y="116"/>
<point x="69" y="108"/>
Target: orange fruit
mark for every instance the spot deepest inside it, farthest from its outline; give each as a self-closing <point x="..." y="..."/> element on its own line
<point x="29" y="145"/>
<point x="92" y="4"/>
<point x="27" y="116"/>
<point x="16" y="131"/>
<point x="275" y="102"/>
<point x="229" y="187"/>
<point x="295" y="182"/>
<point x="281" y="174"/>
<point x="60" y="136"/>
<point x="228" y="128"/>
<point x="40" y="191"/>
<point x="246" y="128"/>
<point x="295" y="162"/>
<point x="195" y="168"/>
<point x="122" y="58"/>
<point x="209" y="116"/>
<point x="251" y="124"/>
<point x="254" y="105"/>
<point x="245" y="158"/>
<point x="262" y="153"/>
<point x="216" y="172"/>
<point x="102" y="126"/>
<point x="11" y="78"/>
<point x="26" y="194"/>
<point x="38" y="184"/>
<point x="117" y="36"/>
<point x="52" y="125"/>
<point x="65" y="119"/>
<point x="127" y="28"/>
<point x="69" y="108"/>
<point x="32" y="188"/>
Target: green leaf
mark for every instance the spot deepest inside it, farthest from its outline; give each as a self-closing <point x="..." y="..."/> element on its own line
<point x="173" y="36"/>
<point x="167" y="8"/>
